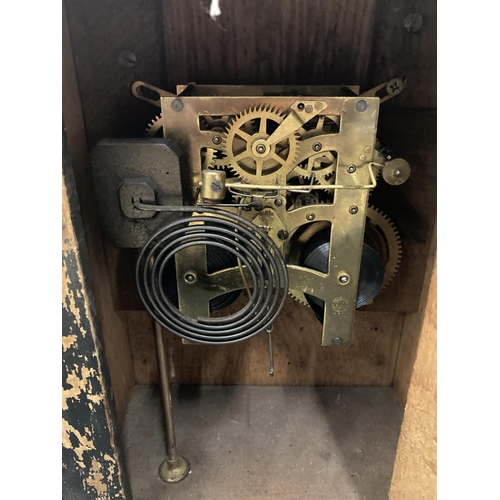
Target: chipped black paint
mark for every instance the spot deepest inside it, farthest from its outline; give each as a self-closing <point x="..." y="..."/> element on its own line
<point x="91" y="455"/>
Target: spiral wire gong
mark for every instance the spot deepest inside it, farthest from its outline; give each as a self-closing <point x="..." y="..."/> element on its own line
<point x="228" y="232"/>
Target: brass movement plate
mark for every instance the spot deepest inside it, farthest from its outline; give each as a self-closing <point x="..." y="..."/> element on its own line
<point x="354" y="146"/>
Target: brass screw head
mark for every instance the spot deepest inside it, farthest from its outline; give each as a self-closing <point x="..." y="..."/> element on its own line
<point x="353" y="210"/>
<point x="310" y="216"/>
<point x="317" y="146"/>
<point x="216" y="139"/>
<point x="351" y="169"/>
<point x="190" y="277"/>
<point x="261" y="148"/>
<point x="344" y="279"/>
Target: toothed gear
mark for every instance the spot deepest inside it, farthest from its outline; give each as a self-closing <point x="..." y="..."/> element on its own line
<point x="249" y="130"/>
<point x="389" y="250"/>
<point x="322" y="165"/>
<point x="377" y="220"/>
<point x="305" y="199"/>
<point x="155" y="129"/>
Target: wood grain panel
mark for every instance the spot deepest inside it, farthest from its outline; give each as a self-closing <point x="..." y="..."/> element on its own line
<point x="92" y="463"/>
<point x="415" y="467"/>
<point x="411" y="134"/>
<point x="261" y="42"/>
<point x="410" y="335"/>
<point x="397" y="51"/>
<point x="99" y="32"/>
<point x="299" y="358"/>
<point x="115" y="335"/>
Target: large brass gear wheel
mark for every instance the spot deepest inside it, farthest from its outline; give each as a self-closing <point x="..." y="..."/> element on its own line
<point x="248" y="156"/>
<point x="380" y="233"/>
<point x="155" y="129"/>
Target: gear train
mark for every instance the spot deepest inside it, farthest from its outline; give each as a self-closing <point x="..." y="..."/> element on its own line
<point x="241" y="195"/>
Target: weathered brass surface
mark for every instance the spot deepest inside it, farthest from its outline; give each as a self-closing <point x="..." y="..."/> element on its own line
<point x="267" y="141"/>
<point x="291" y="160"/>
<point x="213" y="185"/>
<point x="174" y="471"/>
<point x="396" y="172"/>
<point x="380" y="232"/>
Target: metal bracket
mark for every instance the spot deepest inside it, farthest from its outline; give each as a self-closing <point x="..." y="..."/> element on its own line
<point x="387" y="90"/>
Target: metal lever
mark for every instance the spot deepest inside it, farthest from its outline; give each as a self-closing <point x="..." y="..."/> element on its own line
<point x="387" y="90"/>
<point x="299" y="113"/>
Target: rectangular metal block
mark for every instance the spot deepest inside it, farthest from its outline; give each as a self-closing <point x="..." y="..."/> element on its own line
<point x="126" y="169"/>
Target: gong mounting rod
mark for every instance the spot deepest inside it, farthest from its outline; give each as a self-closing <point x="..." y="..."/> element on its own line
<point x="174" y="468"/>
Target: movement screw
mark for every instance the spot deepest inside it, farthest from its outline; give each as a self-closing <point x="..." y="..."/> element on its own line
<point x="127" y="58"/>
<point x="353" y="210"/>
<point x="278" y="202"/>
<point x="282" y="235"/>
<point x="190" y="278"/>
<point x="361" y="105"/>
<point x="310" y="216"/>
<point x="177" y="105"/>
<point x="216" y="139"/>
<point x="337" y="341"/>
<point x="344" y="279"/>
<point x="351" y="169"/>
<point x="317" y="146"/>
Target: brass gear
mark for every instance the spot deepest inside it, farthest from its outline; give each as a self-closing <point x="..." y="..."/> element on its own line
<point x="155" y="129"/>
<point x="249" y="130"/>
<point x="381" y="234"/>
<point x="323" y="163"/>
<point x="380" y="227"/>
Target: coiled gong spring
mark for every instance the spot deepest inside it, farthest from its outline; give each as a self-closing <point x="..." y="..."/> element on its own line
<point x="264" y="263"/>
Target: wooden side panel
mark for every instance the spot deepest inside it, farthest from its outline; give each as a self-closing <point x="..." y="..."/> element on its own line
<point x="412" y="135"/>
<point x="410" y="335"/>
<point x="260" y="42"/>
<point x="299" y="358"/>
<point x="115" y="335"/>
<point x="92" y="466"/>
<point x="415" y="466"/>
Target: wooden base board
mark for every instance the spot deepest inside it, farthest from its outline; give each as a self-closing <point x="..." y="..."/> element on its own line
<point x="299" y="358"/>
